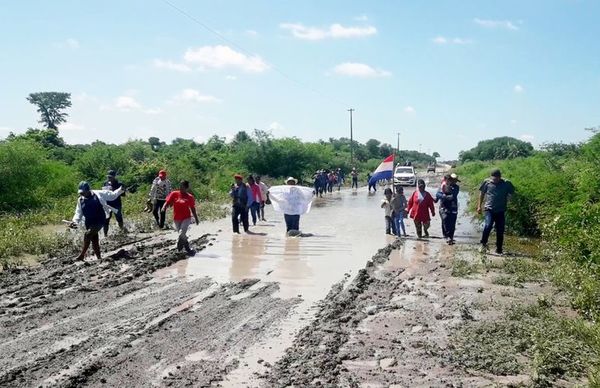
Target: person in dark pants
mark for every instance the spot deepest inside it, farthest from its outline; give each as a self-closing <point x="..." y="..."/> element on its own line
<point x="240" y="195"/>
<point x="161" y="187"/>
<point x="92" y="209"/>
<point x="255" y="199"/>
<point x="113" y="184"/>
<point x="292" y="221"/>
<point x="354" y="176"/>
<point x="494" y="195"/>
<point x="448" y="198"/>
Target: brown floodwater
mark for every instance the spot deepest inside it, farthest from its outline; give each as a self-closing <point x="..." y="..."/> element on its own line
<point x="344" y="230"/>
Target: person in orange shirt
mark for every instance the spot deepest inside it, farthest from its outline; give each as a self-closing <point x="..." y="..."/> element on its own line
<point x="184" y="206"/>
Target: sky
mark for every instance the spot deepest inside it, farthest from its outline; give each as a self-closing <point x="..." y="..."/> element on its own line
<point x="443" y="74"/>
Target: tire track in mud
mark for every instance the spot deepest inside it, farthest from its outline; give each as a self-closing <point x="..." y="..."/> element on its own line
<point x="315" y="357"/>
<point x="109" y="322"/>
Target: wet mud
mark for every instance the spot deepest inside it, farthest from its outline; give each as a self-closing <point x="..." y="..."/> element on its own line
<point x="344" y="305"/>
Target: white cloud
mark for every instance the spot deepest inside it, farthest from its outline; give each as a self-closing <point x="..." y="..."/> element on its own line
<point x="220" y="57"/>
<point x="192" y="95"/>
<point x="361" y="18"/>
<point x="443" y="40"/>
<point x="251" y="33"/>
<point x="505" y="24"/>
<point x="513" y="122"/>
<point x="230" y="77"/>
<point x="128" y="103"/>
<point x="409" y="109"/>
<point x="359" y="70"/>
<point x="170" y="65"/>
<point x="70" y="43"/>
<point x="527" y="137"/>
<point x="275" y="126"/>
<point x="518" y="88"/>
<point x="334" y="31"/>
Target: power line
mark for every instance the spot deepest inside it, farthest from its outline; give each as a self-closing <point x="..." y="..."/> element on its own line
<point x="247" y="52"/>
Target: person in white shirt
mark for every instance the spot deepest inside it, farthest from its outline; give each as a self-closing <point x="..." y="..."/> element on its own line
<point x="264" y="192"/>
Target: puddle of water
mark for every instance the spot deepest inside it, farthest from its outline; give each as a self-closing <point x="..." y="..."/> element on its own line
<point x="347" y="227"/>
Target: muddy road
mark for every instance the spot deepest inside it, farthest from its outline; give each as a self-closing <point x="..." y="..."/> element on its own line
<point x="346" y="306"/>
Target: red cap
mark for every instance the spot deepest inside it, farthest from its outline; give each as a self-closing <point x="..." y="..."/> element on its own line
<point x="162" y="173"/>
<point x="238" y="176"/>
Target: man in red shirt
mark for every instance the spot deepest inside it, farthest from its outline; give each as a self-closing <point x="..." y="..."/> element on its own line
<point x="184" y="206"/>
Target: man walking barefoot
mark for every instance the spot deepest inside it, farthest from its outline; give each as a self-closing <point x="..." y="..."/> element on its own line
<point x="494" y="195"/>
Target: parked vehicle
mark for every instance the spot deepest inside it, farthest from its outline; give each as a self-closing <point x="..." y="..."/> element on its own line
<point x="405" y="176"/>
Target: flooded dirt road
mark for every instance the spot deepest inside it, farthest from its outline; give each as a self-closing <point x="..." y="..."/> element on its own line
<point x="258" y="309"/>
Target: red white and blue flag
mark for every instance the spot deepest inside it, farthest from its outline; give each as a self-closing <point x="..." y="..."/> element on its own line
<point x="384" y="171"/>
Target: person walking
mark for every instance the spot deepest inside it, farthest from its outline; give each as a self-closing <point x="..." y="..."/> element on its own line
<point x="386" y="205"/>
<point x="292" y="201"/>
<point x="184" y="206"/>
<point x="340" y="178"/>
<point x="255" y="199"/>
<point x="494" y="194"/>
<point x="448" y="198"/>
<point x="399" y="204"/>
<point x="240" y="195"/>
<point x="92" y="210"/>
<point x="420" y="204"/>
<point x="264" y="196"/>
<point x="161" y="187"/>
<point x="354" y="176"/>
<point x="112" y="184"/>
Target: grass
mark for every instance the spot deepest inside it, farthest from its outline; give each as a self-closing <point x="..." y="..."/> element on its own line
<point x="462" y="268"/>
<point x="552" y="346"/>
<point x="20" y="233"/>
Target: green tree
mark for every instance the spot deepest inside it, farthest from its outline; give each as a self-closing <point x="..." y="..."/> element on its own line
<point x="50" y="106"/>
<point x="436" y="155"/>
<point x="373" y="147"/>
<point x="499" y="148"/>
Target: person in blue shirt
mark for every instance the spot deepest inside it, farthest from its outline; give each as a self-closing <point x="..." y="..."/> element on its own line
<point x="241" y="197"/>
<point x="447" y="196"/>
<point x="92" y="210"/>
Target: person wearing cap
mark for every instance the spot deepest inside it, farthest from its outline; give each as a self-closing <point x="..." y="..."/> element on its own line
<point x="494" y="194"/>
<point x="112" y="184"/>
<point x="241" y="196"/>
<point x="447" y="196"/>
<point x="161" y="187"/>
<point x="264" y="196"/>
<point x="184" y="206"/>
<point x="420" y="204"/>
<point x="292" y="221"/>
<point x="92" y="210"/>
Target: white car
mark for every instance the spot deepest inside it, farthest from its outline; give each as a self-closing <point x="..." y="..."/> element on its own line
<point x="405" y="176"/>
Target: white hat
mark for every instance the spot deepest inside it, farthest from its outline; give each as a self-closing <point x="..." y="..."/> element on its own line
<point x="291" y="178"/>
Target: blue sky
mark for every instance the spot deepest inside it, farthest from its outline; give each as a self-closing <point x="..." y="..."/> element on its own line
<point x="445" y="74"/>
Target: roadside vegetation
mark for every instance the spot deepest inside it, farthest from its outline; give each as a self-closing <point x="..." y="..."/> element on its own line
<point x="40" y="172"/>
<point x="556" y="204"/>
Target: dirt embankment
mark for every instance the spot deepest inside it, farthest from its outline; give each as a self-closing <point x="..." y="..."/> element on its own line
<point x="423" y="314"/>
<point x="109" y="323"/>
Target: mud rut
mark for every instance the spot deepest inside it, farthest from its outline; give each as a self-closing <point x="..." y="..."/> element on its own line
<point x="112" y="323"/>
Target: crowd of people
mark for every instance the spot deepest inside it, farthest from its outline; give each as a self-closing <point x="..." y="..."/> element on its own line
<point x="95" y="208"/>
<point x="494" y="194"/>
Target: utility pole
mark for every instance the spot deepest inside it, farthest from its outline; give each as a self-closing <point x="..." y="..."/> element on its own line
<point x="398" y="148"/>
<point x="351" y="139"/>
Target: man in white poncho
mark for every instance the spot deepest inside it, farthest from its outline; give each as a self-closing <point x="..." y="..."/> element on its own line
<point x="292" y="201"/>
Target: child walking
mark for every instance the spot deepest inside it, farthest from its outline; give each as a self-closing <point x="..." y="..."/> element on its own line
<point x="399" y="204"/>
<point x="386" y="204"/>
